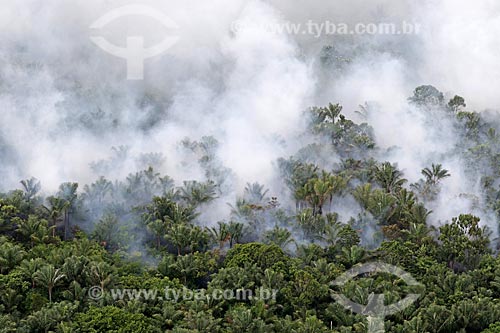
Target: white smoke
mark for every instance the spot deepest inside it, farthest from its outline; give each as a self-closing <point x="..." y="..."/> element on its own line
<point x="65" y="102"/>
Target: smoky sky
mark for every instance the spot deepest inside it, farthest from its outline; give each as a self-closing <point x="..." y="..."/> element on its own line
<point x="65" y="102"/>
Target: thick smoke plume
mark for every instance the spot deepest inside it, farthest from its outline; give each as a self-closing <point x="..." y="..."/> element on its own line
<point x="66" y="103"/>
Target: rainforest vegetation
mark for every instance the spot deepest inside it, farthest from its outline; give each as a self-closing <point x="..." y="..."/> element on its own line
<point x="150" y="231"/>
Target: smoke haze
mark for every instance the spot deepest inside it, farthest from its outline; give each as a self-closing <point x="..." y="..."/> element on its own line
<point x="66" y="103"/>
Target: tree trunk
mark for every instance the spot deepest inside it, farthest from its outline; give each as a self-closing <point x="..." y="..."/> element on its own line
<point x="66" y="224"/>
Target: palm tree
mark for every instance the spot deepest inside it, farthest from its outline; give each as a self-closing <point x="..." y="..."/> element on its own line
<point x="32" y="229"/>
<point x="178" y="214"/>
<point x="242" y="320"/>
<point x="108" y="232"/>
<point x="98" y="190"/>
<point x="428" y="188"/>
<point x="67" y="191"/>
<point x="235" y="230"/>
<point x="178" y="234"/>
<point x="220" y="233"/>
<point x="312" y="325"/>
<point x="318" y="190"/>
<point x="31" y="188"/>
<point x="389" y="177"/>
<point x="10" y="298"/>
<point x="417" y="214"/>
<point x="296" y="174"/>
<point x="300" y="195"/>
<point x="321" y="190"/>
<point x="362" y="194"/>
<point x="199" y="239"/>
<point x="434" y="174"/>
<point x="382" y="205"/>
<point x="54" y="317"/>
<point x="74" y="267"/>
<point x="195" y="193"/>
<point x="10" y="255"/>
<point x="159" y="208"/>
<point x="279" y="236"/>
<point x="56" y="210"/>
<point x="49" y="277"/>
<point x="327" y="115"/>
<point x="337" y="183"/>
<point x="100" y="273"/>
<point x="418" y="233"/>
<point x="272" y="279"/>
<point x="255" y="194"/>
<point x="169" y="315"/>
<point x="29" y="267"/>
<point x="186" y="266"/>
<point x="159" y="229"/>
<point x="353" y="255"/>
<point x="332" y="232"/>
<point x="311" y="224"/>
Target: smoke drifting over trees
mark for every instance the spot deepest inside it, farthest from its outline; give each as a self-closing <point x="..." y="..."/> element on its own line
<point x="66" y="103"/>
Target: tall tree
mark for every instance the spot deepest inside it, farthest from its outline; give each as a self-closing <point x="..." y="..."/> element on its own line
<point x="435" y="173"/>
<point x="464" y="241"/>
<point x="178" y="235"/>
<point x="31" y="188"/>
<point x="34" y="230"/>
<point x="67" y="192"/>
<point x="389" y="177"/>
<point x="56" y="209"/>
<point x="221" y="233"/>
<point x="195" y="193"/>
<point x="49" y="277"/>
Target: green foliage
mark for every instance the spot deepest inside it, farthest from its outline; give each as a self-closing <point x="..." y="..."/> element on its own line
<point x="464" y="242"/>
<point x="317" y="191"/>
<point x="114" y="320"/>
<point x="263" y="256"/>
<point x="109" y="233"/>
<point x="493" y="328"/>
<point x="347" y="137"/>
<point x="279" y="236"/>
<point x="456" y="104"/>
<point x="427" y="96"/>
<point x="428" y="188"/>
<point x="49" y="277"/>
